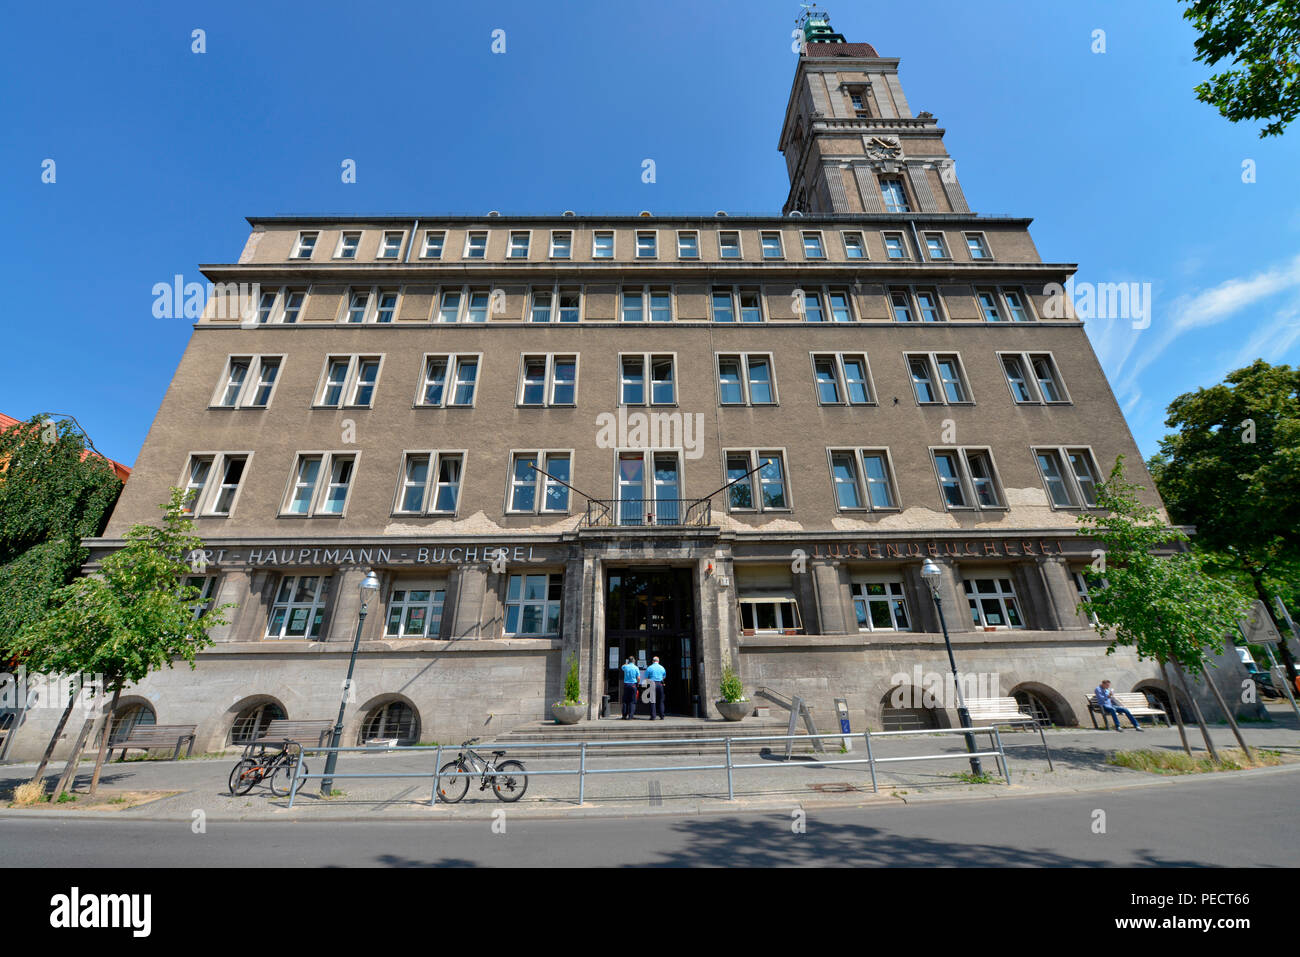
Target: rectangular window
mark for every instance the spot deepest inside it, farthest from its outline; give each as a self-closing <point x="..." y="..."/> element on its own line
<point x="758" y="479"/>
<point x="745" y="380"/>
<point x="1058" y="491"/>
<point x="880" y="606"/>
<point x="305" y="246"/>
<point x="320" y="484"/>
<point x="723" y="307"/>
<point x="811" y="303"/>
<point x="896" y="246"/>
<point x="647" y="244"/>
<point x="1084" y="470"/>
<point x="386" y="305"/>
<point x="729" y="245"/>
<point x="1069" y="475"/>
<point x="927" y="305"/>
<point x="548" y="380"/>
<point x="1014" y="368"/>
<point x="533" y="482"/>
<point x="661" y="305"/>
<point x="633" y="305"/>
<point x="293" y="299"/>
<point x="842" y="378"/>
<point x="812" y="246"/>
<point x="348" y="243"/>
<point x="688" y="245"/>
<point x="1016" y="305"/>
<point x="207" y="591"/>
<point x="479" y="300"/>
<point x="349" y="380"/>
<point x="1049" y="384"/>
<point x="989" y="309"/>
<point x="533" y="605"/>
<point x="938" y="378"/>
<point x="415" y="610"/>
<point x="449" y="306"/>
<point x="561" y="244"/>
<point x="992" y="603"/>
<point x="772" y="248"/>
<point x="435" y="390"/>
<point x="895" y="196"/>
<point x="518" y="248"/>
<point x="935" y="246"/>
<point x="634" y="390"/>
<point x="839" y="300"/>
<point x="966" y="476"/>
<point x="770" y="615"/>
<point x="570" y="304"/>
<point x="858" y="102"/>
<point x="901" y="303"/>
<point x="862" y="479"/>
<point x="476" y="245"/>
<point x="430" y="483"/>
<point x="602" y="245"/>
<point x="196" y="482"/>
<point x="299" y="607"/>
<point x="1081" y="586"/>
<point x="541" y="311"/>
<point x="433" y="243"/>
<point x="248" y="382"/>
<point x="391" y="246"/>
<point x="854" y="246"/>
<point x="977" y="246"/>
<point x="232" y="473"/>
<point x="358" y="305"/>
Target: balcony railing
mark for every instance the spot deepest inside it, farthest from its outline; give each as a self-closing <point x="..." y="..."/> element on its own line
<point x="643" y="512"/>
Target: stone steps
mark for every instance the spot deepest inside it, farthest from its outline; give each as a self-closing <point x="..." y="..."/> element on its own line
<point x="686" y="734"/>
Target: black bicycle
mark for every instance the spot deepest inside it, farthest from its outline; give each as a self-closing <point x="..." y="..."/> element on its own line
<point x="258" y="764"/>
<point x="508" y="779"/>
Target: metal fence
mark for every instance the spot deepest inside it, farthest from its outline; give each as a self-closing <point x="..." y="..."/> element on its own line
<point x="582" y="771"/>
<point x="643" y="512"/>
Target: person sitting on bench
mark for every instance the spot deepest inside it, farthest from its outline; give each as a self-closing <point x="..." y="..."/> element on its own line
<point x="1109" y="706"/>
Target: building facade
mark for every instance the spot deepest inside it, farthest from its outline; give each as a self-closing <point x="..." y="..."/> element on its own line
<point x="714" y="439"/>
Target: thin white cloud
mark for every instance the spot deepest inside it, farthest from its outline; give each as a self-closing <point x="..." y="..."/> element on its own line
<point x="1271" y="340"/>
<point x="1211" y="307"/>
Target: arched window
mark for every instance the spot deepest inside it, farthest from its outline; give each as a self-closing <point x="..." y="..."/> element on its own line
<point x="252" y="722"/>
<point x="128" y="717"/>
<point x="904" y="709"/>
<point x="392" y="719"/>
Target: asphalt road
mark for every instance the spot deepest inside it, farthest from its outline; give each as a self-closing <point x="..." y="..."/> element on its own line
<point x="1212" y="822"/>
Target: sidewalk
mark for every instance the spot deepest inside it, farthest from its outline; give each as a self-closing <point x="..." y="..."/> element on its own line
<point x="1079" y="756"/>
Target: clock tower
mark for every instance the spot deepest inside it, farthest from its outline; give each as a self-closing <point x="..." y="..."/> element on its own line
<point x="851" y="142"/>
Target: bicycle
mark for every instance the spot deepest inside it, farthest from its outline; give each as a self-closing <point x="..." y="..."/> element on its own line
<point x="257" y="765"/>
<point x="509" y="779"/>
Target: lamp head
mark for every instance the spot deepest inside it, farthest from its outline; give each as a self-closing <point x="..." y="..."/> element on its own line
<point x="369" y="585"/>
<point x="931" y="572"/>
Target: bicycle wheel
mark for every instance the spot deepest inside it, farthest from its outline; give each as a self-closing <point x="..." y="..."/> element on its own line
<point x="243" y="776"/>
<point x="452" y="790"/>
<point x="510" y="781"/>
<point x="282" y="777"/>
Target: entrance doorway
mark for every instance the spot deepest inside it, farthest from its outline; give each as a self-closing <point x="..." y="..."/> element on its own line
<point x="649" y="613"/>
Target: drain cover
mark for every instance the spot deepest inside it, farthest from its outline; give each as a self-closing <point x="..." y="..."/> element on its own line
<point x="838" y="788"/>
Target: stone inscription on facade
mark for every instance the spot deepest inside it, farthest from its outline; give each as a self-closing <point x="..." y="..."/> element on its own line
<point x="993" y="548"/>
<point x="416" y="555"/>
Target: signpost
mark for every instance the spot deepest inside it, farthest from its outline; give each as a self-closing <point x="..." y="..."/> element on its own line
<point x="842" y="708"/>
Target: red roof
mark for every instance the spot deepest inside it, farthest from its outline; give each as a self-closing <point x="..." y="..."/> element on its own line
<point x="840" y="49"/>
<point x="120" y="470"/>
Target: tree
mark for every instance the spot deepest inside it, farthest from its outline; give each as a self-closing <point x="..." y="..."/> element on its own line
<point x="52" y="495"/>
<point x="1164" y="606"/>
<point x="1232" y="470"/>
<point x="132" y="618"/>
<point x="1261" y="38"/>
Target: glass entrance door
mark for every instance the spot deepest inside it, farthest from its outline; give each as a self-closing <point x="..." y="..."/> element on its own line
<point x="651" y="613"/>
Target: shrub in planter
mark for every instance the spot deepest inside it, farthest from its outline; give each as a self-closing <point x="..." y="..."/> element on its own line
<point x="569" y="710"/>
<point x="733" y="705"/>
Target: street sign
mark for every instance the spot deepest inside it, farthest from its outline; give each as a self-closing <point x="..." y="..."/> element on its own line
<point x="1257" y="626"/>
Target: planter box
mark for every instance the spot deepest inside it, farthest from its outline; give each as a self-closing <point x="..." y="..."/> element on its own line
<point x="734" y="710"/>
<point x="568" y="713"/>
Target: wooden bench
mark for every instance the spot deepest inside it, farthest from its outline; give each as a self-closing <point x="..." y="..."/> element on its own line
<point x="1135" y="701"/>
<point x="151" y="737"/>
<point x="308" y="733"/>
<point x="1006" y="711"/>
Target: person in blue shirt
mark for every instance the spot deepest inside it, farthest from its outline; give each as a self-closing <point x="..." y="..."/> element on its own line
<point x="1106" y="701"/>
<point x="656" y="674"/>
<point x="631" y="677"/>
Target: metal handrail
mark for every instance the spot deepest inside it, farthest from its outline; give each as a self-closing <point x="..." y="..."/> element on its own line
<point x="647" y="512"/>
<point x="996" y="752"/>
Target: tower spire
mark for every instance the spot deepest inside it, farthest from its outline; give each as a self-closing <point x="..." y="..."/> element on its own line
<point x="816" y="25"/>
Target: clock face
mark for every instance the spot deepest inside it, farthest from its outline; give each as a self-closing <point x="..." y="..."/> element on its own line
<point x="879" y="147"/>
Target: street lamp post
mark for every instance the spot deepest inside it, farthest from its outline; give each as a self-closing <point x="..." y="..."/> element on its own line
<point x="932" y="573"/>
<point x="369" y="585"/>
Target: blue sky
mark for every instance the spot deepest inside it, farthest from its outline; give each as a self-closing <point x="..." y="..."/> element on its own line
<point x="161" y="152"/>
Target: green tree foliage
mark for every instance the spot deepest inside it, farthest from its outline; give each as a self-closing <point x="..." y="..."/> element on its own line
<point x="1164" y="606"/>
<point x="1232" y="469"/>
<point x="132" y="618"/>
<point x="1261" y="40"/>
<point x="52" y="496"/>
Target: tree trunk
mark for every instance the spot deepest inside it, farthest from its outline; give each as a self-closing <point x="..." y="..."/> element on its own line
<point x="1173" y="705"/>
<point x="103" y="744"/>
<point x="70" y="771"/>
<point x="1196" y="712"/>
<point x="54" y="738"/>
<point x="1232" y="718"/>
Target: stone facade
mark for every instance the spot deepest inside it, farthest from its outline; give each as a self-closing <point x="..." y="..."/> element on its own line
<point x="319" y="441"/>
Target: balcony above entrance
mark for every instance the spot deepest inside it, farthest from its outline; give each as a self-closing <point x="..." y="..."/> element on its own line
<point x="646" y="512"/>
